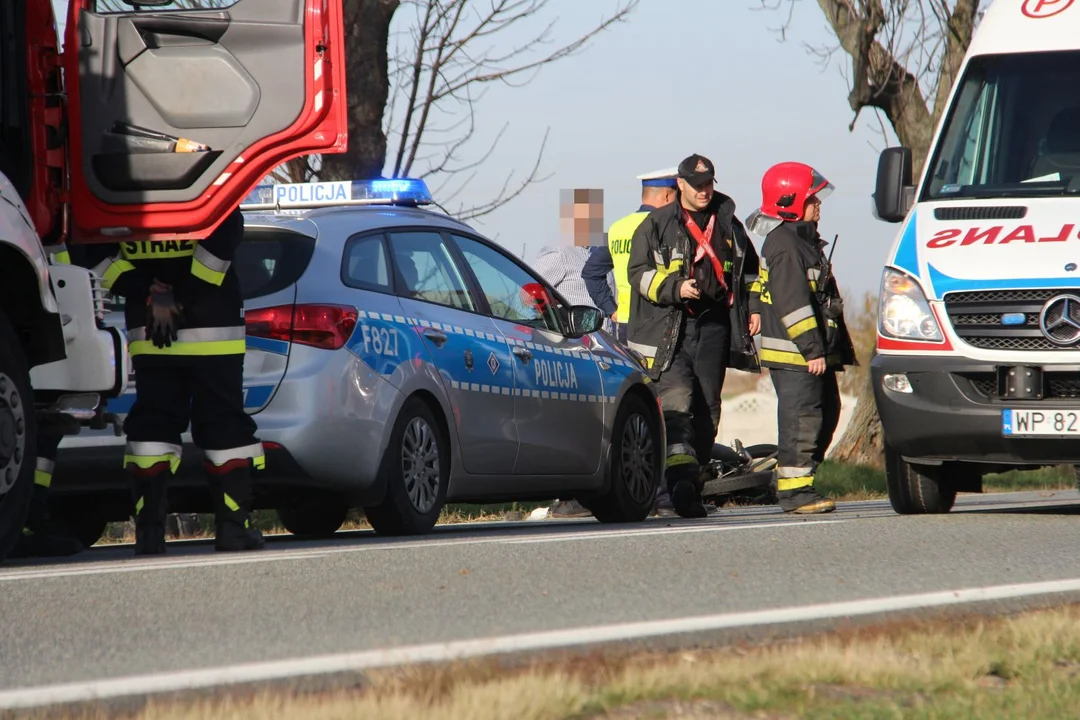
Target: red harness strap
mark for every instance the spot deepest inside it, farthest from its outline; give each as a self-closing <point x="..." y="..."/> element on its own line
<point x="704" y="247"/>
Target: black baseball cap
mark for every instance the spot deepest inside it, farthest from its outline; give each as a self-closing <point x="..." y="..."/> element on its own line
<point x="697" y="169"/>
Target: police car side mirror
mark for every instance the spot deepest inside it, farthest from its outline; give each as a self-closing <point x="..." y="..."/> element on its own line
<point x="895" y="191"/>
<point x="583" y="320"/>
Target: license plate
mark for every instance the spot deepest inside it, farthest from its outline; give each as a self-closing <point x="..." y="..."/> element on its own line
<point x="1032" y="423"/>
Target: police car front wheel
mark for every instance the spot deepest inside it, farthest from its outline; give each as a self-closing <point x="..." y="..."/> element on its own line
<point x="636" y="464"/>
<point x="416" y="470"/>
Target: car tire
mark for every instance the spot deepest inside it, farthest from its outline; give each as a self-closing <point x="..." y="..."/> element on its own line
<point x="915" y="489"/>
<point x="636" y="465"/>
<point x="417" y="457"/>
<point x="314" y="516"/>
<point x="18" y="438"/>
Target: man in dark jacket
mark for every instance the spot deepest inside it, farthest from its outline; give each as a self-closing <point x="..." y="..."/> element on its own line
<point x="804" y="340"/>
<point x="692" y="315"/>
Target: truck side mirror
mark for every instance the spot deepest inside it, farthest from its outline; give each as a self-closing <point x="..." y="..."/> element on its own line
<point x="895" y="191"/>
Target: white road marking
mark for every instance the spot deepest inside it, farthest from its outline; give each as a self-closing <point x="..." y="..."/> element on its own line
<point x="524" y="642"/>
<point x="271" y="556"/>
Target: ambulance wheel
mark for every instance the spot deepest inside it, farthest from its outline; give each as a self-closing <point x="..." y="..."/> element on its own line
<point x="637" y="465"/>
<point x="916" y="489"/>
<point x="416" y="470"/>
<point x="18" y="438"/>
<point x="314" y="515"/>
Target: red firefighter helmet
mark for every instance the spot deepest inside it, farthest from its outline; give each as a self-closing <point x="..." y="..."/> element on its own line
<point x="535" y="296"/>
<point x="787" y="186"/>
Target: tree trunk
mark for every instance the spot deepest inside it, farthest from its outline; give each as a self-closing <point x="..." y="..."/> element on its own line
<point x="367" y="33"/>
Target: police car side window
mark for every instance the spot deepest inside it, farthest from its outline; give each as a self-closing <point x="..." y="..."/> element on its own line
<point x="105" y="7"/>
<point x="365" y="264"/>
<point x="512" y="292"/>
<point x="425" y="270"/>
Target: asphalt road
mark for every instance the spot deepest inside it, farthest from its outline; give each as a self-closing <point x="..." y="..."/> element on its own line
<point x="106" y="623"/>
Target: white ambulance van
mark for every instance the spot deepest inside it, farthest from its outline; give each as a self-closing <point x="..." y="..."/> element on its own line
<point x="978" y="349"/>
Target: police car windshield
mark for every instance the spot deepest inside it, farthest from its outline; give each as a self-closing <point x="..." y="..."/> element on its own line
<point x="1013" y="129"/>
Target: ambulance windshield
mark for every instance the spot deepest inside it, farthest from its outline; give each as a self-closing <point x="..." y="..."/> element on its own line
<point x="1013" y="129"/>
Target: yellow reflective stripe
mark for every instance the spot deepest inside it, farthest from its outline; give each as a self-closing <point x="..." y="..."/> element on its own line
<point x="139" y="505"/>
<point x="42" y="478"/>
<point x="795" y="483"/>
<point x="204" y="273"/>
<point x="661" y="274"/>
<point x="230" y="503"/>
<point x="145" y="462"/>
<point x="114" y="271"/>
<point x="260" y="462"/>
<point x="63" y="257"/>
<point x="755" y="287"/>
<point x="801" y="327"/>
<point x="219" y="347"/>
<point x="792" y="358"/>
<point x="676" y="460"/>
<point x="813" y="285"/>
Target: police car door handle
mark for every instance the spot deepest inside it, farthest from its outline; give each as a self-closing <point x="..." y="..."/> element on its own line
<point x="435" y="336"/>
<point x="603" y="365"/>
<point x="523" y="353"/>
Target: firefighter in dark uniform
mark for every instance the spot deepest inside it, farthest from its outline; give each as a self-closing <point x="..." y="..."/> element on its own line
<point x="691" y="268"/>
<point x="40" y="537"/>
<point x="185" y="319"/>
<point x="804" y="340"/>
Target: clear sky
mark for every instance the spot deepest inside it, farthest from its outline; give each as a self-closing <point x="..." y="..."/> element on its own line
<point x="679" y="77"/>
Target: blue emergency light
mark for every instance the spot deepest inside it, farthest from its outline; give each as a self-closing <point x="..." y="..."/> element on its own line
<point x="310" y="195"/>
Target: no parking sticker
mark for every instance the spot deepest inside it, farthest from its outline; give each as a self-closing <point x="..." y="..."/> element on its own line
<point x="1039" y="9"/>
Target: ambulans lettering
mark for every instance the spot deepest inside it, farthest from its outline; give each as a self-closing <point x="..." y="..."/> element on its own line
<point x="380" y="340"/>
<point x="553" y="373"/>
<point x="158" y="249"/>
<point x="996" y="235"/>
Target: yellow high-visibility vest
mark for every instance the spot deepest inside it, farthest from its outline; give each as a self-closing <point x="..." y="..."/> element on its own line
<point x="619" y="236"/>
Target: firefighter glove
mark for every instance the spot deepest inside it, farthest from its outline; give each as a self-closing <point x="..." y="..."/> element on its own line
<point x="163" y="316"/>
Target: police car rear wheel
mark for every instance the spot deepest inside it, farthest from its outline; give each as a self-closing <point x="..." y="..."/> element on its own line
<point x="636" y="465"/>
<point x="417" y="470"/>
<point x="917" y="490"/>
<point x="18" y="438"/>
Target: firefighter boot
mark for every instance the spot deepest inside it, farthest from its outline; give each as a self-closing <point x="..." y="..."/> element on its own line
<point x="684" y="480"/>
<point x="231" y="486"/>
<point x="805" y="501"/>
<point x="148" y="495"/>
<point x="39" y="537"/>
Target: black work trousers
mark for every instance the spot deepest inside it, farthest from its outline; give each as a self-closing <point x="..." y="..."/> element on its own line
<point x="690" y="394"/>
<point x="808" y="410"/>
<point x="205" y="391"/>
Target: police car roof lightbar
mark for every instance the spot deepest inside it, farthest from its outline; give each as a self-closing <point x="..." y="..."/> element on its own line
<point x="312" y="195"/>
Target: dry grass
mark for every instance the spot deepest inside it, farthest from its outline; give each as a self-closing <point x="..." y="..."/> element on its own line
<point x="1021" y="666"/>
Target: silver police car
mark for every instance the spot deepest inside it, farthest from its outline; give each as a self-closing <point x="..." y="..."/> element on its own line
<point x="396" y="361"/>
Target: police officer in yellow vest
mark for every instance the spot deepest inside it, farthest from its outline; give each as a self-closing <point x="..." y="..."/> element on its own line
<point x="658" y="189"/>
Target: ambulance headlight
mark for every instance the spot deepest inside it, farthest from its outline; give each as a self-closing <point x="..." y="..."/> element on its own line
<point x="905" y="314"/>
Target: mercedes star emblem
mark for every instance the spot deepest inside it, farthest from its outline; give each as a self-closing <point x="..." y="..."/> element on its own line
<point x="1060" y="320"/>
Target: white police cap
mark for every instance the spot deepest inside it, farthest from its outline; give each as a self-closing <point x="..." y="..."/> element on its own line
<point x="660" y="178"/>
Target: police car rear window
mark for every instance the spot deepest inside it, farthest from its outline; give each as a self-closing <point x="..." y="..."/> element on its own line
<point x="271" y="260"/>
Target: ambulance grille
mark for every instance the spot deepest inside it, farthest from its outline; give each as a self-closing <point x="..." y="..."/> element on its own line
<point x="969" y="212"/>
<point x="1056" y="386"/>
<point x="977" y="317"/>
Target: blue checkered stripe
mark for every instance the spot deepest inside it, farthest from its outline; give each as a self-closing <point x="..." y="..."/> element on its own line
<point x="589" y="388"/>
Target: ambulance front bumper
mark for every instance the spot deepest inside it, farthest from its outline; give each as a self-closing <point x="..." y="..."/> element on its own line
<point x="949" y="409"/>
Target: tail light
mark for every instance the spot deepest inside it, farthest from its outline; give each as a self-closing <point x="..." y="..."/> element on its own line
<point x="327" y="327"/>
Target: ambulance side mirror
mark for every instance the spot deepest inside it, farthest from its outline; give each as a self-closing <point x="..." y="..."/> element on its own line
<point x="583" y="320"/>
<point x="895" y="191"/>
